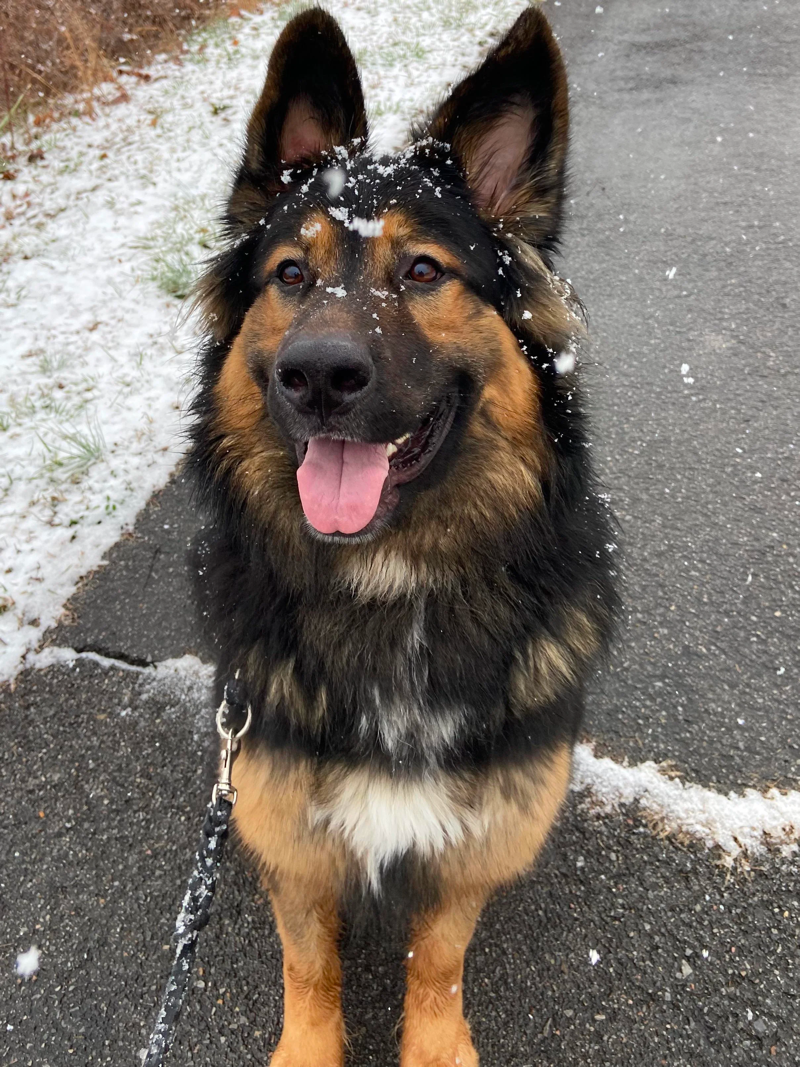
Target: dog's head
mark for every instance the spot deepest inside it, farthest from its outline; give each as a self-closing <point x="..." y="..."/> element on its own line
<point x="387" y="329"/>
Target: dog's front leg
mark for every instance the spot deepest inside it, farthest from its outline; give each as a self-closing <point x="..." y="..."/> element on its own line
<point x="435" y="1033"/>
<point x="313" y="1027"/>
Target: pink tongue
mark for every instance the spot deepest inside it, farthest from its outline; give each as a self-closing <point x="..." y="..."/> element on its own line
<point x="340" y="484"/>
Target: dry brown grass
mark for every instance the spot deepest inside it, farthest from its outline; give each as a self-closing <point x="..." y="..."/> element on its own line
<point x="52" y="47"/>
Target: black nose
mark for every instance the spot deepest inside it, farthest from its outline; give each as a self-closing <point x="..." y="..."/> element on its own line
<point x="324" y="375"/>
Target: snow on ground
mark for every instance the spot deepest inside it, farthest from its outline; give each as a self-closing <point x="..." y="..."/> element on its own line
<point x="172" y="685"/>
<point x="28" y="962"/>
<point x="99" y="244"/>
<point x="735" y="823"/>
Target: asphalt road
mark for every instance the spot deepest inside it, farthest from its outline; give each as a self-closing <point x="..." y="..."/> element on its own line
<point x="103" y="772"/>
<point x="686" y="122"/>
<point x="686" y="154"/>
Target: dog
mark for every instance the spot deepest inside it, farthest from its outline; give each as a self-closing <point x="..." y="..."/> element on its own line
<point x="407" y="567"/>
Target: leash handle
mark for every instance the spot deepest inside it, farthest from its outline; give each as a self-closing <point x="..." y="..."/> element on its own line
<point x="196" y="906"/>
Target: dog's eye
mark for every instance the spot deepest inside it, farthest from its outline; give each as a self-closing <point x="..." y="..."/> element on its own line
<point x="424" y="270"/>
<point x="290" y="274"/>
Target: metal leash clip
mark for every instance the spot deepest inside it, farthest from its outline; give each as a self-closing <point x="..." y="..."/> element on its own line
<point x="223" y="787"/>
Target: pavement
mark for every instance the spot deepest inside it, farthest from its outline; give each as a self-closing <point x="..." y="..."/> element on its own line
<point x="683" y="243"/>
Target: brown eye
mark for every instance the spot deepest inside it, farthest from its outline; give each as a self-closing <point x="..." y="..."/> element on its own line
<point x="290" y="274"/>
<point x="424" y="270"/>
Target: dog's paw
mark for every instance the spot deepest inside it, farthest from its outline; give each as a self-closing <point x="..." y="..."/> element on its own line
<point x="457" y="1053"/>
<point x="309" y="1053"/>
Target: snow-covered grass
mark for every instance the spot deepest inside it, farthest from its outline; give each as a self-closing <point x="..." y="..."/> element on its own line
<point x="100" y="242"/>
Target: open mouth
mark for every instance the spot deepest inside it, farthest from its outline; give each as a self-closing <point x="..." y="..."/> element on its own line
<point x="350" y="487"/>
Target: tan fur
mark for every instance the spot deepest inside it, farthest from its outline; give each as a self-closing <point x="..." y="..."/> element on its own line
<point x="313" y="1025"/>
<point x="511" y="813"/>
<point x="401" y="237"/>
<point x="555" y="315"/>
<point x="285" y="690"/>
<point x="548" y="664"/>
<point x="384" y="574"/>
<point x="520" y="808"/>
<point x="452" y="316"/>
<point x="518" y="805"/>
<point x="506" y="814"/>
<point x="274" y="820"/>
<point x="507" y="417"/>
<point x="511" y="401"/>
<point x="539" y="673"/>
<point x="249" y="447"/>
<point x="581" y="634"/>
<point x="321" y="244"/>
<point x="435" y="1033"/>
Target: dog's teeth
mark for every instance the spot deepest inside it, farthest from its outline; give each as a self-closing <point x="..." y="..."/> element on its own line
<point x="397" y="443"/>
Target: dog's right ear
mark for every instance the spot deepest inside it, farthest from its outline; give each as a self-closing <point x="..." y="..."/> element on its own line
<point x="311" y="102"/>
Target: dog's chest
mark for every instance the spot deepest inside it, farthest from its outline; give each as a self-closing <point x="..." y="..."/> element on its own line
<point x="396" y="709"/>
<point x="381" y="818"/>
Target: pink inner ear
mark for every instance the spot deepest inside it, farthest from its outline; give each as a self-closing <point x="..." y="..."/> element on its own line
<point x="302" y="136"/>
<point x="496" y="160"/>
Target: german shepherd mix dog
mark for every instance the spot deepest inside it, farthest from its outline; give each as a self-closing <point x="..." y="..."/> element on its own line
<point x="407" y="565"/>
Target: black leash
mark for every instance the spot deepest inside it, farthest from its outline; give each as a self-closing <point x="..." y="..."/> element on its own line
<point x="196" y="907"/>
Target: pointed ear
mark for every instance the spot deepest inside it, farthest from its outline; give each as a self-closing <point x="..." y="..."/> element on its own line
<point x="311" y="102"/>
<point x="508" y="126"/>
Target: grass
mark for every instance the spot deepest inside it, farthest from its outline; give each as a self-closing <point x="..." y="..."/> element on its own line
<point x="7" y="124"/>
<point x="8" y="119"/>
<point x="49" y="364"/>
<point x="174" y="273"/>
<point x="10" y="297"/>
<point x="44" y="405"/>
<point x="392" y="55"/>
<point x="73" y="451"/>
<point x="178" y="245"/>
<point x="290" y="9"/>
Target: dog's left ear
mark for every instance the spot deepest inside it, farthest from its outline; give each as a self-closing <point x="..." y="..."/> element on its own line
<point x="508" y="126"/>
<point x="311" y="102"/>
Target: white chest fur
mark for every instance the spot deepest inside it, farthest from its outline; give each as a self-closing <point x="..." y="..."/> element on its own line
<point x="382" y="818"/>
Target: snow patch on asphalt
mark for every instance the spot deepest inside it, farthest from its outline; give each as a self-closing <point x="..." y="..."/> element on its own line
<point x="745" y="823"/>
<point x="99" y="241"/>
<point x="173" y="685"/>
<point x="27" y="963"/>
<point x="181" y="669"/>
<point x="57" y="655"/>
